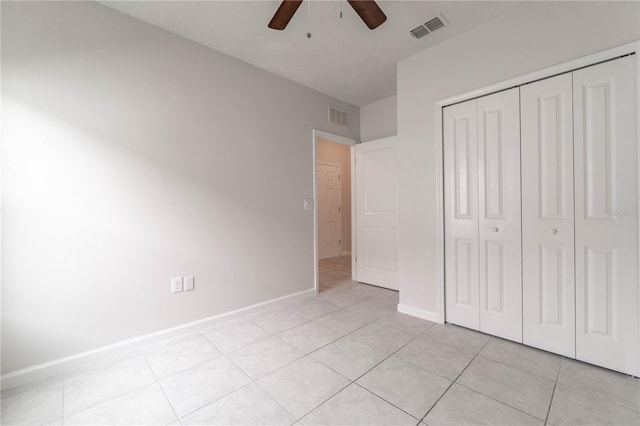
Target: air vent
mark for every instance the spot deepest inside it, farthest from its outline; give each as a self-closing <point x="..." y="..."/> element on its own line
<point x="434" y="24"/>
<point x="420" y="31"/>
<point x="426" y="28"/>
<point x="338" y="117"/>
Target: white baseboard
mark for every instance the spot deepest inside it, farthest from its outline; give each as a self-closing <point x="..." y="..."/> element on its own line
<point x="419" y="313"/>
<point x="62" y="365"/>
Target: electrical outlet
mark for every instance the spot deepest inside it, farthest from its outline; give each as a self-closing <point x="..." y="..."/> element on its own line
<point x="176" y="285"/>
<point x="189" y="283"/>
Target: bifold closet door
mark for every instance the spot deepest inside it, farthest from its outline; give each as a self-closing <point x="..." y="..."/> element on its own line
<point x="483" y="288"/>
<point x="547" y="215"/>
<point x="606" y="204"/>
<point x="499" y="215"/>
<point x="460" y="132"/>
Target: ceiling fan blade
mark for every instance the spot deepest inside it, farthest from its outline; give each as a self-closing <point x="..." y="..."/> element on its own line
<point x="284" y="14"/>
<point x="369" y="11"/>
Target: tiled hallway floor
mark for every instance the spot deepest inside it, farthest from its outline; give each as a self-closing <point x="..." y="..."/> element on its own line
<point x="344" y="357"/>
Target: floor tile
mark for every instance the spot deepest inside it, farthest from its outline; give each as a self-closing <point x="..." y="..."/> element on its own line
<point x="248" y="406"/>
<point x="458" y="337"/>
<point x="587" y="406"/>
<point x="384" y="337"/>
<point x="313" y="309"/>
<point x="406" y="322"/>
<point x="338" y="273"/>
<point x="617" y="386"/>
<point x="279" y="321"/>
<point x="179" y="356"/>
<point x="356" y="406"/>
<point x="435" y="356"/>
<point x="524" y="391"/>
<point x="349" y="357"/>
<point x="146" y="406"/>
<point x="303" y="385"/>
<point x="406" y="386"/>
<point x="462" y="406"/>
<point x="234" y="337"/>
<point x="540" y="363"/>
<point x="201" y="385"/>
<point x="345" y="321"/>
<point x="349" y="296"/>
<point x="342" y="284"/>
<point x="32" y="404"/>
<point x="374" y="308"/>
<point x="265" y="356"/>
<point x="91" y="387"/>
<point x="310" y="336"/>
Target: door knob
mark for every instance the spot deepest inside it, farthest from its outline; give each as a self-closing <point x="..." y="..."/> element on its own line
<point x="553" y="231"/>
<point x="495" y="229"/>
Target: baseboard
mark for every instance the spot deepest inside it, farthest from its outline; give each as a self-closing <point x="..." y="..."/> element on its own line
<point x="419" y="313"/>
<point x="62" y="365"/>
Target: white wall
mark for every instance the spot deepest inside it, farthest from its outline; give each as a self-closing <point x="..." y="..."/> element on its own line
<point x="131" y="155"/>
<point x="379" y="119"/>
<point x="335" y="153"/>
<point x="530" y="37"/>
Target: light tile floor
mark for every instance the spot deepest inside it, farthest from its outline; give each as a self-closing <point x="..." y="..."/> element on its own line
<point x="345" y="357"/>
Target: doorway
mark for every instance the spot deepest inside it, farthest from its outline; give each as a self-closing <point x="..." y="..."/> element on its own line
<point x="333" y="219"/>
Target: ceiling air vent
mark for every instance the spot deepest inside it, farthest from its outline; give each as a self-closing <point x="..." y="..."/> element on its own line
<point x="338" y="117"/>
<point x="426" y="28"/>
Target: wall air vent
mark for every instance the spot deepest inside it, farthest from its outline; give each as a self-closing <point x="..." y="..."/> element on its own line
<point x="430" y="26"/>
<point x="338" y="117"/>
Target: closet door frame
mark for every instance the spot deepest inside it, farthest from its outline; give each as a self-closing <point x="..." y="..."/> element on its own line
<point x="606" y="55"/>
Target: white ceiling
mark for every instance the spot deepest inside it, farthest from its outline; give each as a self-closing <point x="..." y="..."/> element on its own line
<point x="343" y="58"/>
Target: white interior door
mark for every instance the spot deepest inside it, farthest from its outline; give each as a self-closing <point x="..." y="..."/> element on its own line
<point x="376" y="186"/>
<point x="500" y="261"/>
<point x="547" y="215"/>
<point x="606" y="204"/>
<point x="460" y="131"/>
<point x="329" y="195"/>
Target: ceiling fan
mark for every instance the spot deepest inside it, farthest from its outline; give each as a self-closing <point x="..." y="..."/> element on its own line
<point x="368" y="11"/>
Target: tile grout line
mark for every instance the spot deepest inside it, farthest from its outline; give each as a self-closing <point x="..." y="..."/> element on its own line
<point x="546" y="419"/>
<point x="353" y="382"/>
<point x="162" y="390"/>
<point x="519" y="369"/>
<point x="455" y="380"/>
<point x="500" y="402"/>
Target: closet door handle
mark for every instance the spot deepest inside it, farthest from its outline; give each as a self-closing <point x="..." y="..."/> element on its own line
<point x="553" y="231"/>
<point x="495" y="229"/>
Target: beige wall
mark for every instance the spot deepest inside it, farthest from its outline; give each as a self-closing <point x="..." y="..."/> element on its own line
<point x="131" y="155"/>
<point x="336" y="153"/>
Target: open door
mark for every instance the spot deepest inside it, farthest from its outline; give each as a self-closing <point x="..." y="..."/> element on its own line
<point x="376" y="187"/>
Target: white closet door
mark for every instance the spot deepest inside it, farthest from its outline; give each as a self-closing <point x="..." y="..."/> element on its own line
<point x="461" y="214"/>
<point x="499" y="213"/>
<point x="606" y="203"/>
<point x="547" y="215"/>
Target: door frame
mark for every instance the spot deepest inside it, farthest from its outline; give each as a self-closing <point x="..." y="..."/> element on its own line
<point x="320" y="134"/>
<point x="339" y="167"/>
<point x="589" y="60"/>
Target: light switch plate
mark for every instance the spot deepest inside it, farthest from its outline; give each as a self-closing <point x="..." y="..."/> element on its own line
<point x="176" y="285"/>
<point x="189" y="283"/>
<point x="308" y="204"/>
